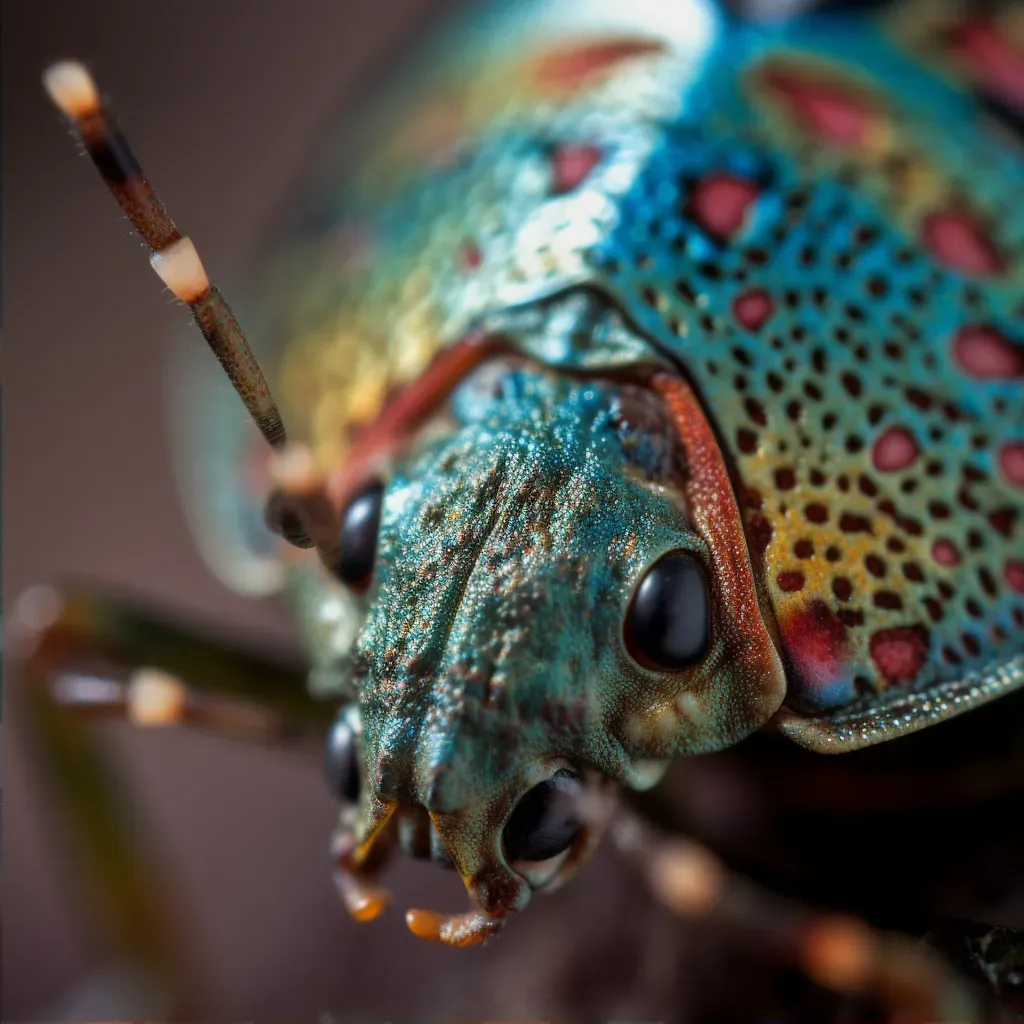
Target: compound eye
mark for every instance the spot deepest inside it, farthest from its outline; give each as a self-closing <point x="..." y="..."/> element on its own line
<point x="359" y="525"/>
<point x="546" y="821"/>
<point x="668" y="622"/>
<point x="341" y="762"/>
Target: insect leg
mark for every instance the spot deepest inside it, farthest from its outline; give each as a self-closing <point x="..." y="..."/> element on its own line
<point x="992" y="956"/>
<point x="837" y="952"/>
<point x="77" y="654"/>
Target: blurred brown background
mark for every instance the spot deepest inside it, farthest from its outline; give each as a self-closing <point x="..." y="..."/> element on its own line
<point x="222" y="102"/>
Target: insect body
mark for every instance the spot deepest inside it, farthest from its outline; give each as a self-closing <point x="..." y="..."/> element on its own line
<point x="660" y="381"/>
<point x="706" y="249"/>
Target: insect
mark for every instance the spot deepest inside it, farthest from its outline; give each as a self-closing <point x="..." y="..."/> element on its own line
<point x="654" y="383"/>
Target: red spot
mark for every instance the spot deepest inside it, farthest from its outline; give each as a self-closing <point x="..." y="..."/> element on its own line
<point x="832" y="110"/>
<point x="570" y="165"/>
<point x="564" y="70"/>
<point x="1013" y="573"/>
<point x="720" y="203"/>
<point x="470" y="256"/>
<point x="955" y="238"/>
<point x="945" y="552"/>
<point x="816" y="643"/>
<point x="895" y="449"/>
<point x="1011" y="462"/>
<point x="752" y="308"/>
<point x="900" y="652"/>
<point x="988" y="354"/>
<point x="993" y="58"/>
<point x="791" y="582"/>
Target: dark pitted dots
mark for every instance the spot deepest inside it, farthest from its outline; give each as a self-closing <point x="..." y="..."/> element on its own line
<point x="850" y="522"/>
<point x="875" y="565"/>
<point x="1003" y="520"/>
<point x="785" y="478"/>
<point x="816" y="513"/>
<point x="756" y="412"/>
<point x="759" y="534"/>
<point x="790" y="582"/>
<point x="803" y="548"/>
<point x="668" y="623"/>
<point x="359" y="525"/>
<point x="913" y="572"/>
<point x="851" y="618"/>
<point x="546" y="820"/>
<point x="746" y="440"/>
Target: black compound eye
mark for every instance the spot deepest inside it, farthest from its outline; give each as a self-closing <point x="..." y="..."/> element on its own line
<point x="546" y="821"/>
<point x="359" y="525"/>
<point x="668" y="622"/>
<point x="341" y="761"/>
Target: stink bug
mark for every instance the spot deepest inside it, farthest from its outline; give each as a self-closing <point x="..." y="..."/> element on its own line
<point x="655" y="383"/>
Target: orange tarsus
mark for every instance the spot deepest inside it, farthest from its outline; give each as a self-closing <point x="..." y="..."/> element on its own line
<point x="459" y="931"/>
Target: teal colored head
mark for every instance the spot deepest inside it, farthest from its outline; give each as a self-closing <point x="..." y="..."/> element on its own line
<point x="499" y="688"/>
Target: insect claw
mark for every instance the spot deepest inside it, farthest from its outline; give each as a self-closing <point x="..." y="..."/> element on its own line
<point x="459" y="931"/>
<point x="364" y="900"/>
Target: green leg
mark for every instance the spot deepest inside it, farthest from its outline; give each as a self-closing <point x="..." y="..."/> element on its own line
<point x="868" y="968"/>
<point x="77" y="654"/>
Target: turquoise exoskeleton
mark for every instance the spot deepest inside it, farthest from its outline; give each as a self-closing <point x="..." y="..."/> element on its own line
<point x="813" y="224"/>
<point x="664" y="372"/>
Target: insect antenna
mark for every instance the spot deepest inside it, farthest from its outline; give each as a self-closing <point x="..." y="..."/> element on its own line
<point x="173" y="256"/>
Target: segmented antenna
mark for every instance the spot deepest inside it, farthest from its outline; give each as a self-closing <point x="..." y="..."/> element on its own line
<point x="174" y="257"/>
